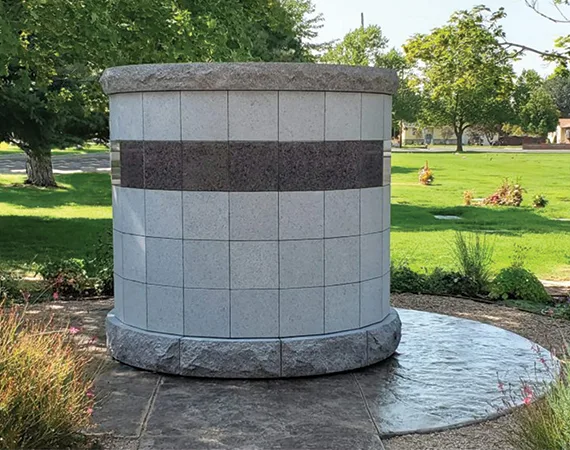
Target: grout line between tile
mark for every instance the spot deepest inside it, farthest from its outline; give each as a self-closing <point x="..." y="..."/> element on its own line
<point x="367" y="407"/>
<point x="324" y="264"/>
<point x="150" y="407"/>
<point x="278" y="239"/>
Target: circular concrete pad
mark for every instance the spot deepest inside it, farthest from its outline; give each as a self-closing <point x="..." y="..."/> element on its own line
<point x="446" y="373"/>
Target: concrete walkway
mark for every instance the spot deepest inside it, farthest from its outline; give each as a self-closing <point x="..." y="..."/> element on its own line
<point x="62" y="164"/>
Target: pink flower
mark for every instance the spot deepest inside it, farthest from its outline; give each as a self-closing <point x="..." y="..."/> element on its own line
<point x="74" y="330"/>
<point x="527" y="389"/>
<point x="89" y="411"/>
<point x="543" y="361"/>
<point x="527" y="400"/>
<point x="55" y="295"/>
<point x="90" y="394"/>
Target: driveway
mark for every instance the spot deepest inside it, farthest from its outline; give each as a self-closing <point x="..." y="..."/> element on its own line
<point x="62" y="164"/>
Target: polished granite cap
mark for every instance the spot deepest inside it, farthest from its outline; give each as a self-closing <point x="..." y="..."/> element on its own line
<point x="248" y="77"/>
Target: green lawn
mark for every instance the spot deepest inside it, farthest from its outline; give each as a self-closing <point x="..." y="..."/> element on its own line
<point x="8" y="149"/>
<point x="37" y="224"/>
<point x="425" y="241"/>
<point x="40" y="223"/>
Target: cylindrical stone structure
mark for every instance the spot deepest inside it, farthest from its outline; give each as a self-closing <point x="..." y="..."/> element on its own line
<point x="251" y="218"/>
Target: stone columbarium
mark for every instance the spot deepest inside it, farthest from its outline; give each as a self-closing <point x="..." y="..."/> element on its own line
<point x="251" y="218"/>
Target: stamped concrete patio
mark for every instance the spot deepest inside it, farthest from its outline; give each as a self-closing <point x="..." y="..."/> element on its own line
<point x="444" y="375"/>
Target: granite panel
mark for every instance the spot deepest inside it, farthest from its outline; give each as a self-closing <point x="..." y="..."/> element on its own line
<point x="205" y="166"/>
<point x="342" y="213"/>
<point x="254" y="216"/>
<point x="252" y="116"/>
<point x="301" y="116"/>
<point x="163" y="165"/>
<point x="255" y="313"/>
<point x="254" y="265"/>
<point x="301" y="263"/>
<point x="342" y="116"/>
<point x="204" y="115"/>
<point x="301" y="166"/>
<point x="164" y="262"/>
<point x="161" y="116"/>
<point x="301" y="215"/>
<point x="207" y="312"/>
<point x="132" y="164"/>
<point x="373" y="116"/>
<point x="301" y="311"/>
<point x="341" y="163"/>
<point x="342" y="307"/>
<point x="371" y="164"/>
<point x="163" y="211"/>
<point x="165" y="309"/>
<point x="126" y="116"/>
<point x="206" y="215"/>
<point x="254" y="166"/>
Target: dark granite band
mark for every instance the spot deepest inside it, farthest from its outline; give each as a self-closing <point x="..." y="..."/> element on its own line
<point x="249" y="166"/>
<point x="248" y="77"/>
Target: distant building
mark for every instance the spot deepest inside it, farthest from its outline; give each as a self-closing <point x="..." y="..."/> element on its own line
<point x="413" y="134"/>
<point x="562" y="133"/>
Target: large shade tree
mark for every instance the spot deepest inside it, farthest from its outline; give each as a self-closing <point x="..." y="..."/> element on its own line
<point x="52" y="53"/>
<point x="465" y="75"/>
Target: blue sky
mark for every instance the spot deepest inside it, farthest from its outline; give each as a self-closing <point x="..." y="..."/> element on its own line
<point x="400" y="19"/>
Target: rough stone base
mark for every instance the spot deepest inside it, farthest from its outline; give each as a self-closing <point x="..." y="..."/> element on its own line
<point x="253" y="358"/>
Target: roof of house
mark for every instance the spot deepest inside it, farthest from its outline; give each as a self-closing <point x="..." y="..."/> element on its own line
<point x="565" y="123"/>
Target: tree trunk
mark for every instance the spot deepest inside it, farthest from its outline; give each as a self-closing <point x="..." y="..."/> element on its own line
<point x="39" y="168"/>
<point x="401" y="133"/>
<point x="459" y="136"/>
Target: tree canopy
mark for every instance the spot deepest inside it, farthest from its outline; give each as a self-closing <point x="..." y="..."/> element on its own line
<point x="465" y="75"/>
<point x="52" y="54"/>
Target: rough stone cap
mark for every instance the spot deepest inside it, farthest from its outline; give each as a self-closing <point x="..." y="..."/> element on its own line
<point x="248" y="77"/>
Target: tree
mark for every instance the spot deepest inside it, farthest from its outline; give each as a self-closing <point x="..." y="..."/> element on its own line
<point x="528" y="82"/>
<point x="539" y="115"/>
<point x="52" y="54"/>
<point x="407" y="101"/>
<point x="360" y="47"/>
<point x="559" y="88"/>
<point x="465" y="75"/>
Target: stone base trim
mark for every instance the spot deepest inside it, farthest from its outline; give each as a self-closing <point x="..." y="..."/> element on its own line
<point x="253" y="358"/>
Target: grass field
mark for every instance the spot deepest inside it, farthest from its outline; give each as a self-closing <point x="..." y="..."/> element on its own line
<point x="425" y="241"/>
<point x="8" y="149"/>
<point x="38" y="223"/>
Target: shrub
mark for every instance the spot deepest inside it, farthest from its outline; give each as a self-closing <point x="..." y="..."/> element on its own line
<point x="426" y="175"/>
<point x="100" y="266"/>
<point x="67" y="276"/>
<point x="518" y="283"/>
<point x="539" y="201"/>
<point x="474" y="257"/>
<point x="508" y="194"/>
<point x="441" y="282"/>
<point x="404" y="279"/>
<point x="544" y="424"/>
<point x="9" y="287"/>
<point x="45" y="386"/>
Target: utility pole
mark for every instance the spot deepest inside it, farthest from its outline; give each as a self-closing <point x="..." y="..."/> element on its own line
<point x="362" y="19"/>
